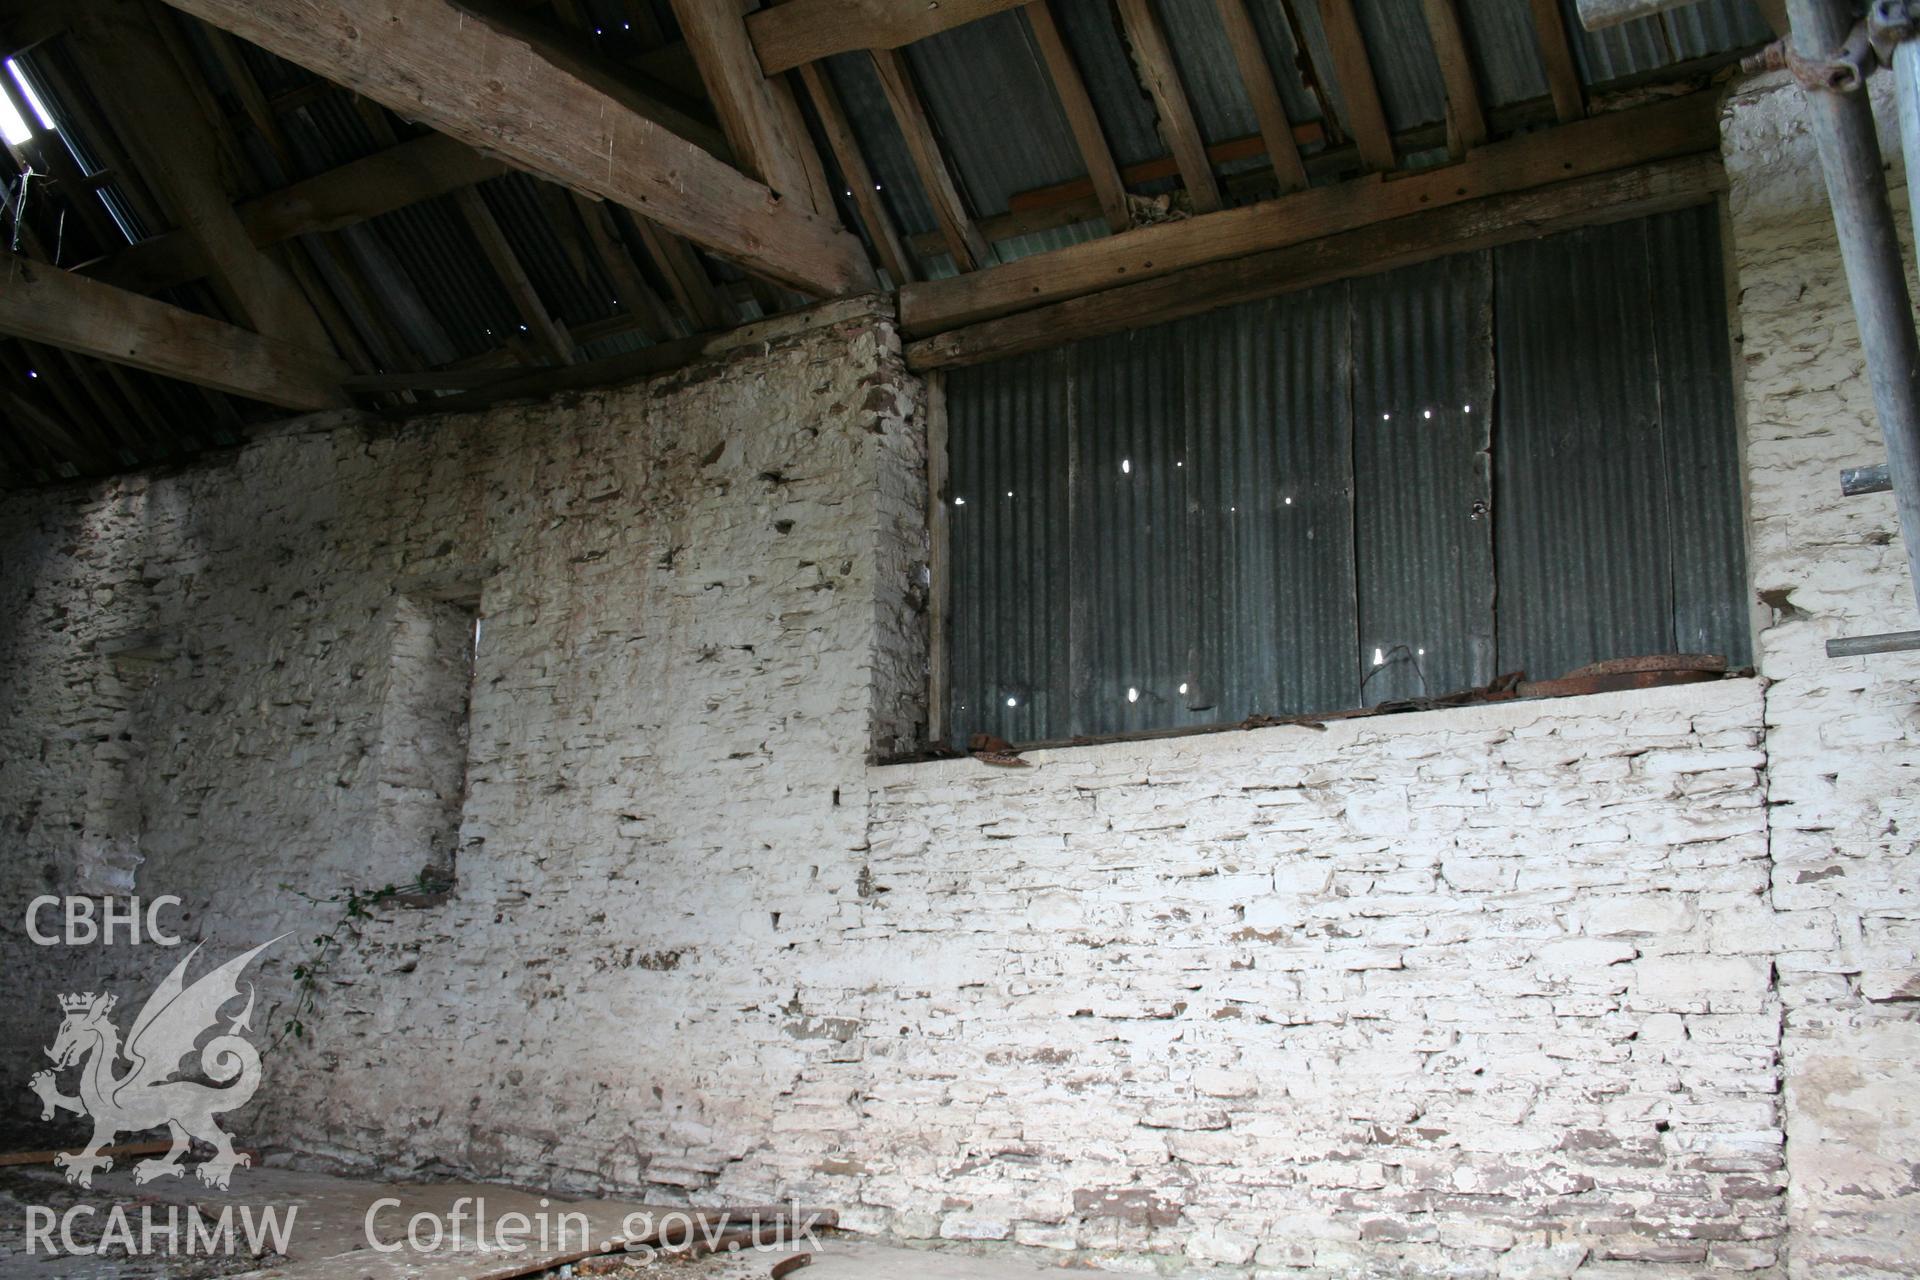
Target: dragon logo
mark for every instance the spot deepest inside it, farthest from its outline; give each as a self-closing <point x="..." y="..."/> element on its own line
<point x="146" y="1095"/>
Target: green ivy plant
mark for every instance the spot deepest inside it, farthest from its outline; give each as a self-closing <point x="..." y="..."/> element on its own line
<point x="355" y="905"/>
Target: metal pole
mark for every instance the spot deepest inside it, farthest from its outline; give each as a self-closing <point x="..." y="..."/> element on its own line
<point x="1842" y="123"/>
<point x="1860" y="646"/>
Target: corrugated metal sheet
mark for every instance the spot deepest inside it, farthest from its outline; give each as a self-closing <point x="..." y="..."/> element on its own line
<point x="1155" y="529"/>
<point x="1269" y="465"/>
<point x="1423" y="526"/>
<point x="994" y="61"/>
<point x="1506" y="52"/>
<point x="1091" y="29"/>
<point x="1133" y="599"/>
<point x="1648" y="44"/>
<point x="1581" y="515"/>
<point x="1007" y="521"/>
<point x="885" y="150"/>
<point x="532" y="216"/>
<point x="1693" y="352"/>
<point x="1231" y="515"/>
<point x="1403" y="61"/>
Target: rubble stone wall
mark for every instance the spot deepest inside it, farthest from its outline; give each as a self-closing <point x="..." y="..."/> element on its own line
<point x="1843" y="735"/>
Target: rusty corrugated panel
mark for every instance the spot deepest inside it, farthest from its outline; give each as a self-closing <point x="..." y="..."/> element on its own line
<point x="1694" y="355"/>
<point x="1011" y="544"/>
<point x="1423" y="526"/>
<point x="1581" y="504"/>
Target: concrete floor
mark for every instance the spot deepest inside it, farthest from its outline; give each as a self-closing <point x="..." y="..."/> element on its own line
<point x="329" y="1240"/>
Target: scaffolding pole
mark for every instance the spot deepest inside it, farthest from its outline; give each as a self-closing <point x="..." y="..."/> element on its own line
<point x="1828" y="42"/>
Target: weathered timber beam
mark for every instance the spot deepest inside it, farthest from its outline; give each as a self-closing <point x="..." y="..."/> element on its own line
<point x="1366" y="119"/>
<point x="1268" y="108"/>
<point x="44" y="304"/>
<point x="1103" y="175"/>
<point x="1466" y="120"/>
<point x="1153" y="63"/>
<point x="860" y="188"/>
<point x="1479" y="224"/>
<point x="964" y="241"/>
<point x="787" y="35"/>
<point x="1678" y="126"/>
<point x="431" y="61"/>
<point x="155" y="112"/>
<point x="1556" y="58"/>
<point x="758" y="115"/>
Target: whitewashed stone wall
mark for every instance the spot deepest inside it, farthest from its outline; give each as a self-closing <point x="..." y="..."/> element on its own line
<point x="1843" y="736"/>
<point x="1476" y="990"/>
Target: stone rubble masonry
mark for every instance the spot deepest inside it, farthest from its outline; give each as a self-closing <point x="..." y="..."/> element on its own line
<point x="1608" y="986"/>
<point x="1840" y="734"/>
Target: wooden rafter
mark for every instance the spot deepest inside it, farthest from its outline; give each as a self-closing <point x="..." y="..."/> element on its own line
<point x="45" y="304"/>
<point x="1466" y="121"/>
<point x="1071" y="90"/>
<point x="535" y="319"/>
<point x="1556" y="55"/>
<point x="407" y="173"/>
<point x="634" y="294"/>
<point x="497" y="90"/>
<point x="1153" y="59"/>
<point x="861" y="188"/>
<point x="1669" y="184"/>
<point x="158" y="117"/>
<point x="686" y="277"/>
<point x="801" y="31"/>
<point x="1675" y="127"/>
<point x="1366" y="118"/>
<point x="758" y="115"/>
<point x="964" y="242"/>
<point x="1268" y="108"/>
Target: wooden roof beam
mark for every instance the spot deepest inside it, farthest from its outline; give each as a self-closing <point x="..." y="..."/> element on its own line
<point x="1556" y="55"/>
<point x="1607" y="197"/>
<point x="1268" y="107"/>
<point x="964" y="241"/>
<point x="1366" y="118"/>
<point x="759" y="116"/>
<point x="154" y="109"/>
<point x="861" y="188"/>
<point x="801" y="31"/>
<point x="430" y="60"/>
<point x="1153" y="59"/>
<point x="1466" y="120"/>
<point x="44" y="304"/>
<point x="1674" y="127"/>
<point x="1071" y="89"/>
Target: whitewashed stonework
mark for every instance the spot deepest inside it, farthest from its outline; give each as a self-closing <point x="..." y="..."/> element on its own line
<point x="1618" y="985"/>
<point x="1841" y="735"/>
